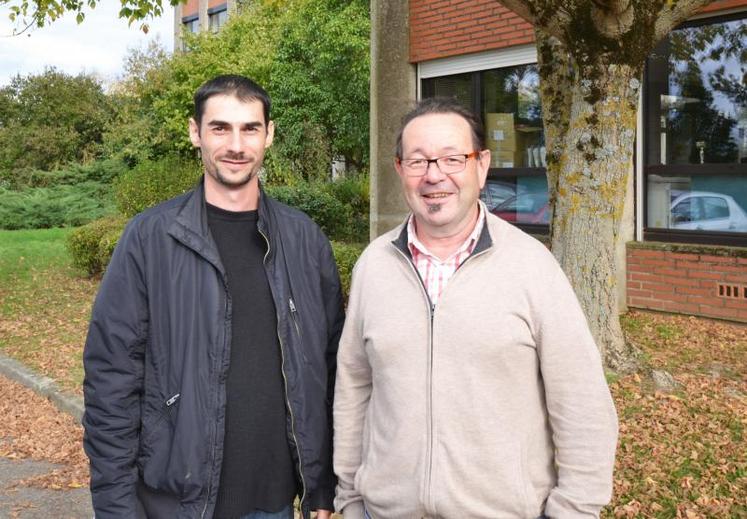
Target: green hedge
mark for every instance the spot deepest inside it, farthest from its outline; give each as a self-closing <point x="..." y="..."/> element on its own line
<point x="311" y="198"/>
<point x="152" y="182"/>
<point x="346" y="254"/>
<point x="91" y="246"/>
<point x="104" y="171"/>
<point x="56" y="206"/>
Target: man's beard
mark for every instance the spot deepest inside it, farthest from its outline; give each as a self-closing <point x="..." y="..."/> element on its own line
<point x="232" y="182"/>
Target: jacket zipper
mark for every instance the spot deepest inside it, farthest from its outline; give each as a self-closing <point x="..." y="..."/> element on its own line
<point x="212" y="444"/>
<point x="285" y="382"/>
<point x="294" y="315"/>
<point x="429" y="420"/>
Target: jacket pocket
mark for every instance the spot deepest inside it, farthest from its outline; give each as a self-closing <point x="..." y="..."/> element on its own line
<point x="156" y="439"/>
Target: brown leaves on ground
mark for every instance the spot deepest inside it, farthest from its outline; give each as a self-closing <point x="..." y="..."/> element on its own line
<point x="31" y="427"/>
<point x="43" y="323"/>
<point x="682" y="454"/>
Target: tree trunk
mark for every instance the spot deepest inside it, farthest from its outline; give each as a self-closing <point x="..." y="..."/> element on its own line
<point x="590" y="124"/>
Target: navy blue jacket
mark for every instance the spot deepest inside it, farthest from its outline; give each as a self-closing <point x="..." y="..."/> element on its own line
<point x="157" y="355"/>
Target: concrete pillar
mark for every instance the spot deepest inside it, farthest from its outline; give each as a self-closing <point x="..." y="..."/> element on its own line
<point x="178" y="10"/>
<point x="627" y="233"/>
<point x="202" y="12"/>
<point x="393" y="93"/>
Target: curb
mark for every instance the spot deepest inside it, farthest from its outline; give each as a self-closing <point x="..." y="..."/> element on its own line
<point x="44" y="386"/>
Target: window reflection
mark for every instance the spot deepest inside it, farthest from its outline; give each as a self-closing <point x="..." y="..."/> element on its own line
<point x="697" y="96"/>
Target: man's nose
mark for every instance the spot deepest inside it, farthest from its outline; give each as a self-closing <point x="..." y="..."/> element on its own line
<point x="433" y="173"/>
<point x="234" y="143"/>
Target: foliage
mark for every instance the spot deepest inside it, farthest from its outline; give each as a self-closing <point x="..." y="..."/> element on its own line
<point x="55" y="206"/>
<point x="355" y="194"/>
<point x="49" y="120"/>
<point x="30" y="13"/>
<point x="681" y="453"/>
<point x="91" y="246"/>
<point x="346" y="254"/>
<point x="104" y="171"/>
<point x="319" y="80"/>
<point x="311" y="56"/>
<point x="151" y="182"/>
<point x="134" y="134"/>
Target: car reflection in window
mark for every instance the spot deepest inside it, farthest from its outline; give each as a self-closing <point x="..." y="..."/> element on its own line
<point x="702" y="210"/>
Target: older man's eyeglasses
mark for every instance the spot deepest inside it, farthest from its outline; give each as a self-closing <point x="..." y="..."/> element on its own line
<point x="448" y="164"/>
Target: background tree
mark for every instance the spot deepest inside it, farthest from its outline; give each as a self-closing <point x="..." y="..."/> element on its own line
<point x="51" y="119"/>
<point x="591" y="55"/>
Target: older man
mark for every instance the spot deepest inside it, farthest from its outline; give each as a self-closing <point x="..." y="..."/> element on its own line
<point x="468" y="382"/>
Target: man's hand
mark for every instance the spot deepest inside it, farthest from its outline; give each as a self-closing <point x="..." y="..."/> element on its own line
<point x="323" y="514"/>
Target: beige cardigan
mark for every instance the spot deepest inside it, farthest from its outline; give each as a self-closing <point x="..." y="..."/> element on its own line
<point x="496" y="406"/>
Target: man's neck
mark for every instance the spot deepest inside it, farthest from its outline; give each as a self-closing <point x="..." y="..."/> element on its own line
<point x="239" y="198"/>
<point x="443" y="246"/>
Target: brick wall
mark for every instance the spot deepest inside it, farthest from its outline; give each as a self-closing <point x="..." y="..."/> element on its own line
<point x="685" y="279"/>
<point x="441" y="28"/>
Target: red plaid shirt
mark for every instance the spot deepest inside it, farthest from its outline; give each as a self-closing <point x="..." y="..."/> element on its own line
<point x="434" y="272"/>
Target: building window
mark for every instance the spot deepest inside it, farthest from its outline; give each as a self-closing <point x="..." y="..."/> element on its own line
<point x="695" y="140"/>
<point x="191" y="24"/>
<point x="217" y="18"/>
<point x="508" y="101"/>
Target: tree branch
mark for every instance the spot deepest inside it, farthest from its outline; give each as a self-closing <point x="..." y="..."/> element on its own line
<point x="674" y="13"/>
<point x="553" y="17"/>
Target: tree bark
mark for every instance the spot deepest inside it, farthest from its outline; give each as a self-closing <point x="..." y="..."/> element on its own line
<point x="591" y="55"/>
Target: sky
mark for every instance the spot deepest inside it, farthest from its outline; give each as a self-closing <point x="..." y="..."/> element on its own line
<point x="97" y="46"/>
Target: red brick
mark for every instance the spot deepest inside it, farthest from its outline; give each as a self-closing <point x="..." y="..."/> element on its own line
<point x="657" y="263"/>
<point x="715" y="302"/>
<point x="653" y="304"/>
<point x="706" y="275"/>
<point x="696" y="291"/>
<point x="657" y="287"/>
<point x="683" y="256"/>
<point x="633" y="285"/>
<point x="718" y="312"/>
<point x="692" y="265"/>
<point x="681" y="308"/>
<point x="739" y="303"/>
<point x="740" y="280"/>
<point x="631" y="292"/>
<point x="666" y="271"/>
<point x="717" y="259"/>
<point x="742" y="261"/>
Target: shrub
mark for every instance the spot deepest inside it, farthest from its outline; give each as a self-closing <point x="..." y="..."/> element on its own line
<point x="346" y="254"/>
<point x="56" y="206"/>
<point x="91" y="246"/>
<point x="354" y="193"/>
<point x="312" y="198"/>
<point x="104" y="171"/>
<point x="151" y="182"/>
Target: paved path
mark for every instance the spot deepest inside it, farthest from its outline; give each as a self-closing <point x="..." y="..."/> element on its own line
<point x="17" y="502"/>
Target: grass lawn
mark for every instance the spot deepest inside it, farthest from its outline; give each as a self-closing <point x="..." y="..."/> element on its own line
<point x="44" y="304"/>
<point x="681" y="453"/>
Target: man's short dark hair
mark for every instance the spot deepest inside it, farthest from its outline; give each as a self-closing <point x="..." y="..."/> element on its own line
<point x="242" y="87"/>
<point x="444" y="105"/>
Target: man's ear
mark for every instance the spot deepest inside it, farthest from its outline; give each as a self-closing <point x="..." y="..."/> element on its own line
<point x="398" y="167"/>
<point x="270" y="134"/>
<point x="194" y="133"/>
<point x="483" y="164"/>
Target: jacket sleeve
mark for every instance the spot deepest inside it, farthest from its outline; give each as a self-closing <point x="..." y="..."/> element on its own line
<point x="334" y="312"/>
<point x="113" y="362"/>
<point x="580" y="409"/>
<point x="352" y="394"/>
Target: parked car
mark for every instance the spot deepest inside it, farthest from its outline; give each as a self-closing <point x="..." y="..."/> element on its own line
<point x="525" y="208"/>
<point x="496" y="192"/>
<point x="706" y="211"/>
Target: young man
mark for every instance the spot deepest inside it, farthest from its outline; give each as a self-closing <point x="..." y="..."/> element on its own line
<point x="210" y="358"/>
<point x="468" y="382"/>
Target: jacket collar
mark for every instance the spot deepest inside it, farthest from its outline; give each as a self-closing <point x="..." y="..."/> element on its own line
<point x="190" y="227"/>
